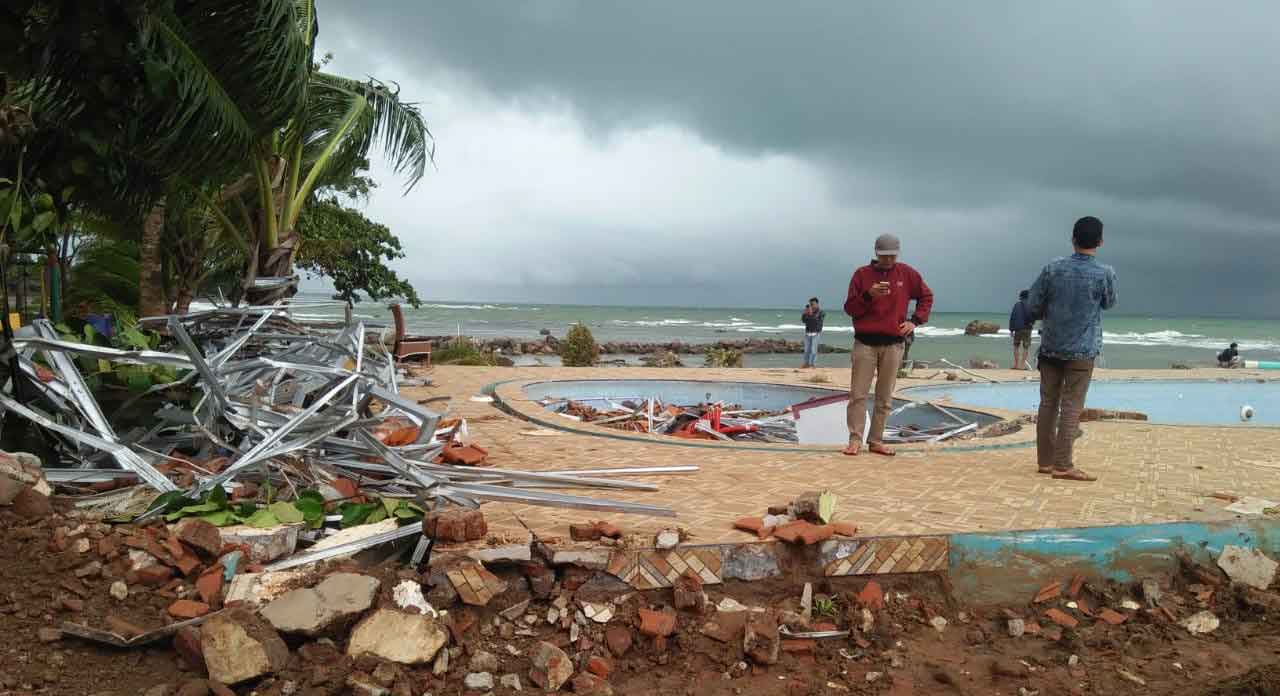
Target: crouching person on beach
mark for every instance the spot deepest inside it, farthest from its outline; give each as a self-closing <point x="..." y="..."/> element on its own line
<point x="1069" y="296"/>
<point x="879" y="294"/>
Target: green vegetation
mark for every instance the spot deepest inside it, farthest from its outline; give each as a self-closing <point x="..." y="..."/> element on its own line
<point x="461" y="351"/>
<point x="309" y="507"/>
<point x="579" y="348"/>
<point x="723" y="357"/>
<point x="153" y="150"/>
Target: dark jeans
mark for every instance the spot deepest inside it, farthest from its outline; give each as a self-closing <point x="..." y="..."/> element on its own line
<point x="1063" y="386"/>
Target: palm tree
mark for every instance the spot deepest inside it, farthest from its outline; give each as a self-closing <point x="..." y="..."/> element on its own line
<point x="326" y="140"/>
<point x="134" y="99"/>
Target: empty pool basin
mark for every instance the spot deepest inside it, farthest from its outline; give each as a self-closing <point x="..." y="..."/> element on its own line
<point x="597" y="393"/>
<point x="821" y="425"/>
<point x="1174" y="402"/>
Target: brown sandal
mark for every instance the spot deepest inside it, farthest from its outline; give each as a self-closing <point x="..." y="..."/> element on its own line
<point x="1044" y="470"/>
<point x="853" y="449"/>
<point x="877" y="448"/>
<point x="1073" y="475"/>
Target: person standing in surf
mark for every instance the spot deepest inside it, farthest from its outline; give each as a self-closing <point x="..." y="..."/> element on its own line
<point x="813" y="316"/>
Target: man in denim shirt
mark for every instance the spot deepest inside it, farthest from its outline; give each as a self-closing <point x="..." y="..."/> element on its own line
<point x="1069" y="297"/>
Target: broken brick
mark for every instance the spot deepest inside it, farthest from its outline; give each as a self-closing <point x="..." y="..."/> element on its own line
<point x="871" y="596"/>
<point x="1061" y="618"/>
<point x="1048" y="592"/>
<point x="657" y="623"/>
<point x="200" y="535"/>
<point x="755" y="525"/>
<point x="619" y="640"/>
<point x="153" y="575"/>
<point x="805" y="646"/>
<point x="584" y="532"/>
<point x="608" y="529"/>
<point x="687" y="591"/>
<point x="1077" y="584"/>
<point x="108" y="547"/>
<point x="802" y="532"/>
<point x="463" y="455"/>
<point x="600" y="666"/>
<point x="209" y="585"/>
<point x="459" y="623"/>
<point x="188" y="609"/>
<point x="575" y="577"/>
<point x="455" y="525"/>
<point x="846" y="529"/>
<point x="1112" y="616"/>
<point x="726" y="627"/>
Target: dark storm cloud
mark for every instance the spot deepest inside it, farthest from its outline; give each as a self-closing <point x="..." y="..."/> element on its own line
<point x="1160" y="117"/>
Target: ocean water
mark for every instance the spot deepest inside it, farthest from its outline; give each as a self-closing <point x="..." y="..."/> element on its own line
<point x="1130" y="341"/>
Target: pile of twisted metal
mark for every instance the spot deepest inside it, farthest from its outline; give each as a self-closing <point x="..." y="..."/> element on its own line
<point x="279" y="399"/>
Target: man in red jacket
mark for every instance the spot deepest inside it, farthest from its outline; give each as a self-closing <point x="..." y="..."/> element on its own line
<point x="879" y="294"/>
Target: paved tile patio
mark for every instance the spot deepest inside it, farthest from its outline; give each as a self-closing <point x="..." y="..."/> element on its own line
<point x="1148" y="473"/>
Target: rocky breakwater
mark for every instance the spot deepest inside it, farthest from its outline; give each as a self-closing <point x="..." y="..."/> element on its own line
<point x="549" y="345"/>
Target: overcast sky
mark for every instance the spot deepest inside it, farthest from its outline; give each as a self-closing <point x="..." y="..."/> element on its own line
<point x="737" y="153"/>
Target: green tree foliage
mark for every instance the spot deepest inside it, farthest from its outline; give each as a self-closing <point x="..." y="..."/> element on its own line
<point x="352" y="251"/>
<point x="579" y="348"/>
<point x="106" y="276"/>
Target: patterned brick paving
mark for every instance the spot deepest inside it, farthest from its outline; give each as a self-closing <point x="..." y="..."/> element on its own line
<point x="1148" y="473"/>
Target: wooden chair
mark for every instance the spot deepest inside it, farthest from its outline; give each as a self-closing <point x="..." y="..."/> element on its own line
<point x="408" y="347"/>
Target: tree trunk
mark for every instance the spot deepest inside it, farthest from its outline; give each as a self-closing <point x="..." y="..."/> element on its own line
<point x="272" y="263"/>
<point x="185" y="294"/>
<point x="151" y="296"/>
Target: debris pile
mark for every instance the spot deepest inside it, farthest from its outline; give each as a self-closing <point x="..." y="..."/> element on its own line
<point x="807" y="520"/>
<point x="708" y="421"/>
<point x="369" y="627"/>
<point x="730" y="422"/>
<point x="297" y="443"/>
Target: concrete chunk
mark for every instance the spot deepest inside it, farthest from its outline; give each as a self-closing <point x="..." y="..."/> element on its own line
<point x="311" y="611"/>
<point x="239" y="646"/>
<point x="265" y="545"/>
<point x="1248" y="565"/>
<point x="409" y="639"/>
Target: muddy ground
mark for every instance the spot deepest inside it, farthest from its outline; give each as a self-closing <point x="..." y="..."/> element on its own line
<point x="921" y="641"/>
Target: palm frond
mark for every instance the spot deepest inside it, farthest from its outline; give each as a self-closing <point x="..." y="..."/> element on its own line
<point x="397" y="127"/>
<point x="308" y="26"/>
<point x="235" y="72"/>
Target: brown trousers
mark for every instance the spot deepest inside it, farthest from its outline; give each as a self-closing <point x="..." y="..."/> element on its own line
<point x="881" y="362"/>
<point x="1063" y="386"/>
